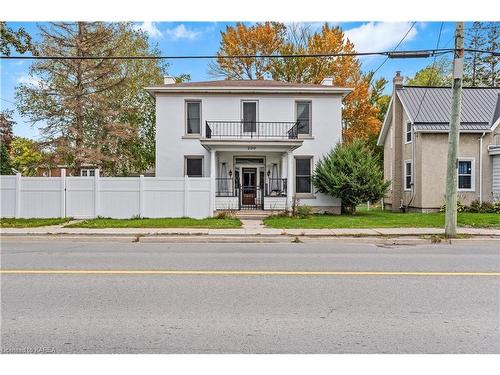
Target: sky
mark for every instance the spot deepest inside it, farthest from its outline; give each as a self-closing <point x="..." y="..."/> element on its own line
<point x="202" y="38"/>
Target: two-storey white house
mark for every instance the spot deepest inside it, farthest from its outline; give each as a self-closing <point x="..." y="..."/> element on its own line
<point x="257" y="141"/>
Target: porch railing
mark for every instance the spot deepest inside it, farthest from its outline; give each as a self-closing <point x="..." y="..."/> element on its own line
<point x="275" y="187"/>
<point x="226" y="187"/>
<point x="251" y="130"/>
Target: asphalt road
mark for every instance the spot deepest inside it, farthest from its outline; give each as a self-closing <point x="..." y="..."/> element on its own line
<point x="353" y="312"/>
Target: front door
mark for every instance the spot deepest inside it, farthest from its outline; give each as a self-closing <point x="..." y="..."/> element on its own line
<point x="249" y="188"/>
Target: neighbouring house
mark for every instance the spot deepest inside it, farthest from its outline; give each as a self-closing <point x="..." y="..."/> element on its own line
<point x="257" y="141"/>
<point x="415" y="140"/>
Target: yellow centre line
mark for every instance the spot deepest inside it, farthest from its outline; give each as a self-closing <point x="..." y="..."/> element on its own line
<point x="239" y="273"/>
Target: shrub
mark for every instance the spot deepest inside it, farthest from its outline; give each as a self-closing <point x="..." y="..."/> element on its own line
<point x="487" y="207"/>
<point x="496" y="207"/>
<point x="460" y="207"/>
<point x="226" y="214"/>
<point x="303" y="211"/>
<point x="475" y="206"/>
<point x="352" y="173"/>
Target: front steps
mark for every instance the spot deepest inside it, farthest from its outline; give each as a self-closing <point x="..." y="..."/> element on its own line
<point x="254" y="214"/>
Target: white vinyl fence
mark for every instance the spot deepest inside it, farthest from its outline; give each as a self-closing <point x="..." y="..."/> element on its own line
<point x="116" y="197"/>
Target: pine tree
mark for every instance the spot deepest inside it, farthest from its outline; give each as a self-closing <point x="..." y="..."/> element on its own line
<point x="481" y="69"/>
<point x="492" y="62"/>
<point x="352" y="173"/>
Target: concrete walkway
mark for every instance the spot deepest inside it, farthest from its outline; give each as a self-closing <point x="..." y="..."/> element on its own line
<point x="251" y="228"/>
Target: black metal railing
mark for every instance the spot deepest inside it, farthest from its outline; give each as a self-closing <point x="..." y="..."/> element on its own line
<point x="226" y="187"/>
<point x="251" y="130"/>
<point x="275" y="187"/>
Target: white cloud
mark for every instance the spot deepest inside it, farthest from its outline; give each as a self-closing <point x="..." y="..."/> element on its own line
<point x="29" y="80"/>
<point x="379" y="36"/>
<point x="182" y="32"/>
<point x="150" y="28"/>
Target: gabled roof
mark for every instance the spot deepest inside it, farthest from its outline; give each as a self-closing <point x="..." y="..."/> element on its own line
<point x="433" y="104"/>
<point x="429" y="108"/>
<point x="257" y="86"/>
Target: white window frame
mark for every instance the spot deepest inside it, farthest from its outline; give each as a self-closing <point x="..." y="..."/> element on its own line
<point x="256" y="113"/>
<point x="186" y="102"/>
<point x="311" y="163"/>
<point x="408" y="123"/>
<point x="186" y="157"/>
<point x="308" y="101"/>
<point x="406" y="162"/>
<point x="85" y="172"/>
<point x="472" y="175"/>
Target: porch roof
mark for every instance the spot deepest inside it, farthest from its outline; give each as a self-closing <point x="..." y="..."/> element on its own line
<point x="251" y="146"/>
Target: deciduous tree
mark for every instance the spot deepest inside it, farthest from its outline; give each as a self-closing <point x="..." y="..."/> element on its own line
<point x="6" y="124"/>
<point x="25" y="155"/>
<point x="98" y="106"/>
<point x="18" y="40"/>
<point x="359" y="114"/>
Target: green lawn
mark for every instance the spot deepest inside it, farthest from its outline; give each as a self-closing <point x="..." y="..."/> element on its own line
<point x="384" y="219"/>
<point x="30" y="223"/>
<point x="178" y="222"/>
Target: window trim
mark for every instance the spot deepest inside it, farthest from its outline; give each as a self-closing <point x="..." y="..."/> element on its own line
<point x="186" y="133"/>
<point x="408" y="132"/>
<point x="472" y="173"/>
<point x="256" y="101"/>
<point x="311" y="165"/>
<point x="308" y="101"/>
<point x="405" y="163"/>
<point x="202" y="157"/>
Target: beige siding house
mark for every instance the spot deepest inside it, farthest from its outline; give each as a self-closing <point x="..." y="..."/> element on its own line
<point x="415" y="140"/>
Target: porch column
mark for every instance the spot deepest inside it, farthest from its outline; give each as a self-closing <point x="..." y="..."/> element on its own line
<point x="289" y="180"/>
<point x="212" y="181"/>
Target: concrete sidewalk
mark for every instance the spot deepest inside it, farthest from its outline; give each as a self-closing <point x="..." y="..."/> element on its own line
<point x="251" y="228"/>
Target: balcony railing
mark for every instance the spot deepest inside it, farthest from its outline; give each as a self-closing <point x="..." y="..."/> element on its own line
<point x="251" y="130"/>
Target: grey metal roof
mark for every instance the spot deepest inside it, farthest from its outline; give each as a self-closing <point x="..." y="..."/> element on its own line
<point x="431" y="106"/>
<point x="439" y="127"/>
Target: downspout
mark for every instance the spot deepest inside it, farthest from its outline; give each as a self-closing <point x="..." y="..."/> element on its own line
<point x="481" y="167"/>
<point x="412" y="196"/>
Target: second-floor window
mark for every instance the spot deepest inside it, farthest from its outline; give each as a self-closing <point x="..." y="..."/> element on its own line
<point x="193" y="117"/>
<point x="408" y="132"/>
<point x="303" y="110"/>
<point x="249" y="116"/>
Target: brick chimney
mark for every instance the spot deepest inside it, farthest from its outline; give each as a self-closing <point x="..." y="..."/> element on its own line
<point x="397" y="81"/>
<point x="167" y="80"/>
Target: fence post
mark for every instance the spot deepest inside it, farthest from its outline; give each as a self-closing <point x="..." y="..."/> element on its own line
<point x="63" y="192"/>
<point x="141" y="195"/>
<point x="97" y="200"/>
<point x="18" y="195"/>
<point x="186" y="195"/>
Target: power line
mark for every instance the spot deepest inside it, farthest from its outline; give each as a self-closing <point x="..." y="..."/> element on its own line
<point x="274" y="56"/>
<point x="8" y="101"/>
<point x="395" y="48"/>
<point x="430" y="76"/>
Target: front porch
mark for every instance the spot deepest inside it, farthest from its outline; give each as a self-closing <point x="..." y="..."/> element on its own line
<point x="250" y="181"/>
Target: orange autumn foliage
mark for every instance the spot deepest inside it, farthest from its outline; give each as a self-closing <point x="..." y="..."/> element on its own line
<point x="359" y="115"/>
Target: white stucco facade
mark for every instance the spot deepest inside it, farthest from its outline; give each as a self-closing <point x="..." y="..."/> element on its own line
<point x="276" y="107"/>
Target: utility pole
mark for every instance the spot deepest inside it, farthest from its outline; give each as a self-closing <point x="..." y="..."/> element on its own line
<point x="453" y="137"/>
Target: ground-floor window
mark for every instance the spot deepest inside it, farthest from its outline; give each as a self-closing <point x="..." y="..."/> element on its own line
<point x="194" y="166"/>
<point x="465" y="175"/>
<point x="303" y="175"/>
<point x="408" y="175"/>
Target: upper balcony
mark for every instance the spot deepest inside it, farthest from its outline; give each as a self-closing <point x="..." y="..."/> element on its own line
<point x="252" y="130"/>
